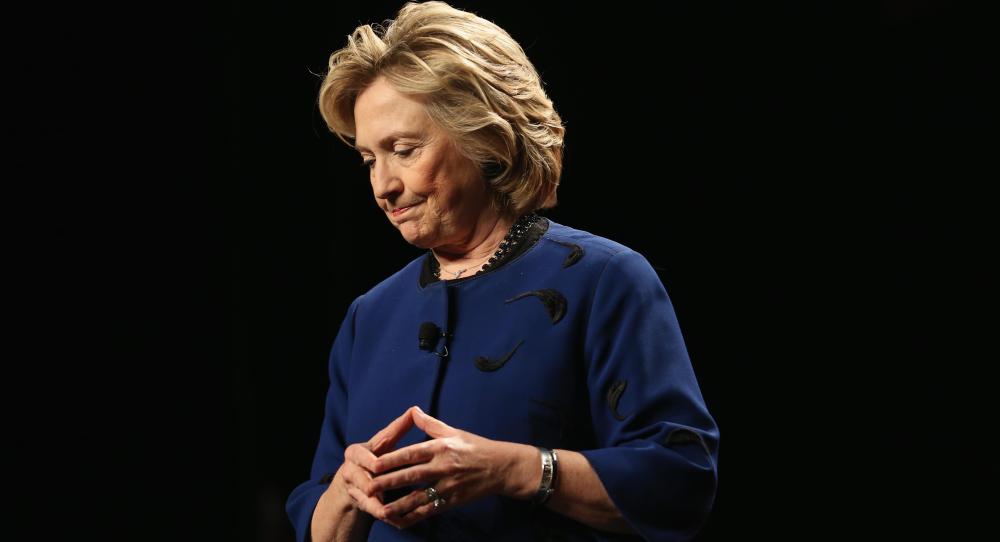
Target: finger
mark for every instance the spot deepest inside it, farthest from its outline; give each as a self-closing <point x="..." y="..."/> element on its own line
<point x="361" y="479"/>
<point x="359" y="454"/>
<point x="387" y="438"/>
<point x="420" y="452"/>
<point x="405" y="477"/>
<point x="418" y="497"/>
<point x="431" y="425"/>
<point x="416" y="506"/>
<point x="402" y="505"/>
<point x="418" y="514"/>
<point x="396" y="511"/>
<point x="366" y="503"/>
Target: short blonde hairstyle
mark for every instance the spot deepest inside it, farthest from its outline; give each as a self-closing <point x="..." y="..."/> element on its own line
<point x="475" y="82"/>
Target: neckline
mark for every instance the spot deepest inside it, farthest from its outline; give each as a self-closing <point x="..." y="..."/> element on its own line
<point x="534" y="234"/>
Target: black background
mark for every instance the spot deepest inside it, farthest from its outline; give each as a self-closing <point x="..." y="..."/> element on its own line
<point x="808" y="178"/>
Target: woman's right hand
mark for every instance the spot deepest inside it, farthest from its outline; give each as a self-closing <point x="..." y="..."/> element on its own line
<point x="359" y="464"/>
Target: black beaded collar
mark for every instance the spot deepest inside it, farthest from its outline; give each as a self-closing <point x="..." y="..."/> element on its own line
<point x="532" y="229"/>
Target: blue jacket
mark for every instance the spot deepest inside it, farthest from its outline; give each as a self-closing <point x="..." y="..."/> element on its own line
<point x="571" y="344"/>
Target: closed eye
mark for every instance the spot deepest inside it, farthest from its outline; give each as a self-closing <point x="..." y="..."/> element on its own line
<point x="404" y="153"/>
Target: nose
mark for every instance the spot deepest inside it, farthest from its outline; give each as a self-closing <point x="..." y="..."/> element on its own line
<point x="385" y="181"/>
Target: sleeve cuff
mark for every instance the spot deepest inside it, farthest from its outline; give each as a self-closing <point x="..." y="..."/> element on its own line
<point x="663" y="495"/>
<point x="301" y="505"/>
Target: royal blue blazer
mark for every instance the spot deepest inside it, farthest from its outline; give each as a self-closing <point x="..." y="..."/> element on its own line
<point x="571" y="344"/>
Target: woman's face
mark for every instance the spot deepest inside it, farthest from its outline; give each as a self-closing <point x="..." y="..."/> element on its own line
<point x="432" y="194"/>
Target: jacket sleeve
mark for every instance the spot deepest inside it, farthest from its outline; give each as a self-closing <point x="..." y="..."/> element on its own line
<point x="657" y="443"/>
<point x="330" y="451"/>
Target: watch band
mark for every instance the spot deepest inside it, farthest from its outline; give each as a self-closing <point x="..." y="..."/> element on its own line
<point x="550" y="463"/>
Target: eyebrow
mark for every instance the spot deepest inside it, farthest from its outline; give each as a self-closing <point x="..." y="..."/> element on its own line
<point x="388" y="138"/>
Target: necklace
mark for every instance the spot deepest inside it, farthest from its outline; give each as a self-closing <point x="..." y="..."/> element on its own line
<point x="454" y="273"/>
<point x="513" y="238"/>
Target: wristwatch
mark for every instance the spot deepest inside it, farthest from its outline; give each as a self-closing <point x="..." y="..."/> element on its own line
<point x="550" y="463"/>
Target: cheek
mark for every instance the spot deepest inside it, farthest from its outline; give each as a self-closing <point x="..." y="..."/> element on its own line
<point x="447" y="201"/>
<point x="467" y="194"/>
<point x="444" y="194"/>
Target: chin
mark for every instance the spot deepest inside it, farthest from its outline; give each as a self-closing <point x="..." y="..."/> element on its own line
<point x="412" y="235"/>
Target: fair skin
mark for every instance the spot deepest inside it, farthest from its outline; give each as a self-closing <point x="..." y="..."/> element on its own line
<point x="414" y="165"/>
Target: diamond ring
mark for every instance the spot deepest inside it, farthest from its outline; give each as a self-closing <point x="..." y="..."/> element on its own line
<point x="432" y="496"/>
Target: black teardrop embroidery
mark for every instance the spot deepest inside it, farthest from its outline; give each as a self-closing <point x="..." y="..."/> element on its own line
<point x="574" y="256"/>
<point x="487" y="365"/>
<point x="555" y="302"/>
<point x="687" y="436"/>
<point x="614" y="394"/>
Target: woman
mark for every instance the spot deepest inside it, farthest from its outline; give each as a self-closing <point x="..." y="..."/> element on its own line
<point x="522" y="379"/>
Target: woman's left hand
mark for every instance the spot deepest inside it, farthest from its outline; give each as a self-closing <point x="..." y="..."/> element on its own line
<point x="461" y="466"/>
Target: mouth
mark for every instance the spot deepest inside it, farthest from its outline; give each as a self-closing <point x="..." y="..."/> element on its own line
<point x="399" y="211"/>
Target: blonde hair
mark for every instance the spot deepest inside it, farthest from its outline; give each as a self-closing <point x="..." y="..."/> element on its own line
<point x="475" y="82"/>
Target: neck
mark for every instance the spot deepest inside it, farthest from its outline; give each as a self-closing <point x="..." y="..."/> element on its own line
<point x="476" y="248"/>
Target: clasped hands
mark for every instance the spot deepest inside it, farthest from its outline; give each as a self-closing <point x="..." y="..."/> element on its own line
<point x="461" y="466"/>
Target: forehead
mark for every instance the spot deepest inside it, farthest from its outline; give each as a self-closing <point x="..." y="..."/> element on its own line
<point x="382" y="113"/>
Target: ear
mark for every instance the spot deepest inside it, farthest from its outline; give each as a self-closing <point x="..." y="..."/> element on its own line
<point x="492" y="170"/>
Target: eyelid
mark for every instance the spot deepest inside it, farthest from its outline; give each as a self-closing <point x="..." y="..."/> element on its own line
<point x="401" y="152"/>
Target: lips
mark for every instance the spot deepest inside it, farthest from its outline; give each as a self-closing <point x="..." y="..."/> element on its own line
<point x="400" y="210"/>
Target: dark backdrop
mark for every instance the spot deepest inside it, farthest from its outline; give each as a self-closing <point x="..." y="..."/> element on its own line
<point x="808" y="178"/>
